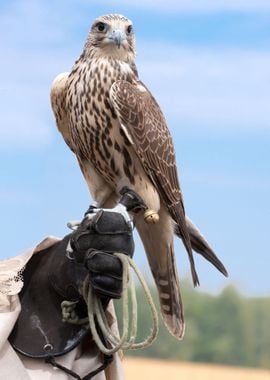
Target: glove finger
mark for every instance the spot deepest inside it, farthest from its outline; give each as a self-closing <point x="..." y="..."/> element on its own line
<point x="105" y="263"/>
<point x="106" y="286"/>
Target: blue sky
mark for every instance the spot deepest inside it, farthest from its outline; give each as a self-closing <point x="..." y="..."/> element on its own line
<point x="208" y="64"/>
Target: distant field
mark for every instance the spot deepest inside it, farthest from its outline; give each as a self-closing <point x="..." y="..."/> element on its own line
<point x="150" y="369"/>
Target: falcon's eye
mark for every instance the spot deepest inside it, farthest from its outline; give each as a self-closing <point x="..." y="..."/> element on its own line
<point x="129" y="29"/>
<point x="101" y="27"/>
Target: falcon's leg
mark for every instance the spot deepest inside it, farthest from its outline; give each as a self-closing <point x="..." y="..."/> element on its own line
<point x="111" y="201"/>
<point x="99" y="189"/>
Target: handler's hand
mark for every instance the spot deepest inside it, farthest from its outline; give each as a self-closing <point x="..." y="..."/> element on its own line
<point x="105" y="271"/>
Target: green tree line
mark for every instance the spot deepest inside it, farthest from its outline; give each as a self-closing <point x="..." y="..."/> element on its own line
<point x="227" y="328"/>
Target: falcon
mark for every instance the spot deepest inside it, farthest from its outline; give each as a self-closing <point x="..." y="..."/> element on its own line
<point x="116" y="129"/>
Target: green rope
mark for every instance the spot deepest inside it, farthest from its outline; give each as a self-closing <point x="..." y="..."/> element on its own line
<point x="97" y="314"/>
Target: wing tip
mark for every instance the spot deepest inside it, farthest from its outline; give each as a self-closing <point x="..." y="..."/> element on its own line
<point x="201" y="246"/>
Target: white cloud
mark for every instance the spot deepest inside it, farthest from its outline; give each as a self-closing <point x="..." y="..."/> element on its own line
<point x="26" y="116"/>
<point x="221" y="88"/>
<point x="31" y="56"/>
<point x="194" y="6"/>
<point x="239" y="182"/>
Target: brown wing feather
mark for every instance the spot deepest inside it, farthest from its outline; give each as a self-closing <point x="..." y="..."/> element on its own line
<point x="140" y="115"/>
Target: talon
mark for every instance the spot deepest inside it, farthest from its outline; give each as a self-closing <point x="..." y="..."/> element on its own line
<point x="131" y="200"/>
<point x="151" y="217"/>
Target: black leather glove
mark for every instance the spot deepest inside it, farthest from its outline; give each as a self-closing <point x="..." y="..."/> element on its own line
<point x="102" y="233"/>
<point x="95" y="241"/>
<point x="105" y="271"/>
<point x="107" y="231"/>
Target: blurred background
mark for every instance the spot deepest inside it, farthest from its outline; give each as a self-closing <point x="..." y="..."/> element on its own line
<point x="208" y="64"/>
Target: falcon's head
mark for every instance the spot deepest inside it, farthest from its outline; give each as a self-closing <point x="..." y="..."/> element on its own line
<point x="111" y="36"/>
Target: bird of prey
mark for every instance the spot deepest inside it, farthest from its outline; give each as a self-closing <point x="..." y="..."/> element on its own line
<point x="116" y="129"/>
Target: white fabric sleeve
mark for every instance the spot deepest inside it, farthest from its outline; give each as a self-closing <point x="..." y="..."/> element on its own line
<point x="14" y="366"/>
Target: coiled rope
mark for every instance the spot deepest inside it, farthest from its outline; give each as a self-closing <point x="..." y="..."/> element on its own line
<point x="96" y="314"/>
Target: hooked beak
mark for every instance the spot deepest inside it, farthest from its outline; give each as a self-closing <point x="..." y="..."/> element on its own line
<point x="117" y="36"/>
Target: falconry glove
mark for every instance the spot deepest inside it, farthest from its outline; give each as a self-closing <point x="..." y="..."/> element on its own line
<point x="52" y="276"/>
<point x="105" y="272"/>
<point x="102" y="233"/>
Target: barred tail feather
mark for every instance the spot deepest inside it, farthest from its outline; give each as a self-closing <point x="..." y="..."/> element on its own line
<point x="158" y="243"/>
<point x="170" y="297"/>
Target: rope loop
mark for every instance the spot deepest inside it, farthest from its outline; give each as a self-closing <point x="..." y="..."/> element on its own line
<point x="97" y="316"/>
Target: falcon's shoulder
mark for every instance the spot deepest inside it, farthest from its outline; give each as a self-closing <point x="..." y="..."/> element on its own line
<point x="144" y="124"/>
<point x="58" y="102"/>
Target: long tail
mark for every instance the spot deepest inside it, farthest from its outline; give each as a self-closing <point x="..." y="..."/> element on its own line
<point x="200" y="245"/>
<point x="158" y="243"/>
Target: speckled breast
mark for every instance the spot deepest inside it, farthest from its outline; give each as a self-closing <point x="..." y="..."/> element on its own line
<point x="93" y="121"/>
